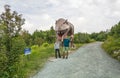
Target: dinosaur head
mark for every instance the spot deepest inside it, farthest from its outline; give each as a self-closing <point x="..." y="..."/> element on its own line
<point x="61" y="27"/>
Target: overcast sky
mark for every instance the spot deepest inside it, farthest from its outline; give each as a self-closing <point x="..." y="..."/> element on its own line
<point x="86" y="15"/>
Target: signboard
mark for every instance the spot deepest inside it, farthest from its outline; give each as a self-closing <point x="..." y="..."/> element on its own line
<point x="27" y="51"/>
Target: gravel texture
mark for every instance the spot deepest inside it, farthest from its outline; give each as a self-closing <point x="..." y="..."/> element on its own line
<point x="89" y="61"/>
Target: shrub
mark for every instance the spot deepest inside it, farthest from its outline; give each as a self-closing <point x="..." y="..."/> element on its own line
<point x="45" y="44"/>
<point x="34" y="47"/>
<point x="112" y="47"/>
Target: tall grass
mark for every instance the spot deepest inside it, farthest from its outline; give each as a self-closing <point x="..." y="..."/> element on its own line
<point x="112" y="47"/>
<point x="29" y="65"/>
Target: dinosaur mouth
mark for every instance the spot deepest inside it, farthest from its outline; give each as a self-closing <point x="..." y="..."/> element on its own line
<point x="61" y="32"/>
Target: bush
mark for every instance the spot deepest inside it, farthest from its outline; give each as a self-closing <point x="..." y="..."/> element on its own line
<point x="3" y="65"/>
<point x="92" y="40"/>
<point x="112" y="47"/>
<point x="34" y="47"/>
<point x="45" y="44"/>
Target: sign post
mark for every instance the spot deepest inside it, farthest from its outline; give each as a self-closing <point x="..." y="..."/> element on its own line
<point x="27" y="51"/>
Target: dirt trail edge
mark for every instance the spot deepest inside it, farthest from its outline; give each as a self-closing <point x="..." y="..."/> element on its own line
<point x="89" y="61"/>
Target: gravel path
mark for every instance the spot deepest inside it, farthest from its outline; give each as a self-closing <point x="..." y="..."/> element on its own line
<point x="89" y="61"/>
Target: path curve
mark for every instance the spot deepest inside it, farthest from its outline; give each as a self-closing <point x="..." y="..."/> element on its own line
<point x="89" y="61"/>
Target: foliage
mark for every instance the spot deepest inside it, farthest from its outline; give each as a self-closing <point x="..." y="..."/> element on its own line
<point x="32" y="63"/>
<point x="11" y="22"/>
<point x="29" y="66"/>
<point x="81" y="38"/>
<point x="115" y="30"/>
<point x="27" y="37"/>
<point x="39" y="37"/>
<point x="45" y="44"/>
<point x="34" y="47"/>
<point x="14" y="64"/>
<point x="112" y="44"/>
<point x="17" y="48"/>
<point x="12" y="46"/>
<point x="3" y="61"/>
<point x="101" y="36"/>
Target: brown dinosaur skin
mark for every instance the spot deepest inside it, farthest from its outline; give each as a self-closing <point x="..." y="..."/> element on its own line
<point x="63" y="27"/>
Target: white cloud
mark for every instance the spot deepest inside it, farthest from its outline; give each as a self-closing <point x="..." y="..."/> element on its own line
<point x="53" y="2"/>
<point x="29" y="26"/>
<point x="39" y="22"/>
<point x="86" y="15"/>
<point x="76" y="3"/>
<point x="116" y="13"/>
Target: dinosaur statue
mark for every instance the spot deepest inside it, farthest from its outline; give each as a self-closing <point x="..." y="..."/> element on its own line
<point x="62" y="28"/>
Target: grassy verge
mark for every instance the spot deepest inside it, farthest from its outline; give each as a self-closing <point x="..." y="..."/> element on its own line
<point x="31" y="64"/>
<point x="112" y="47"/>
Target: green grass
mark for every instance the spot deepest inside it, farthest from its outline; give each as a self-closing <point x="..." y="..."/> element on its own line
<point x="112" y="47"/>
<point x="31" y="64"/>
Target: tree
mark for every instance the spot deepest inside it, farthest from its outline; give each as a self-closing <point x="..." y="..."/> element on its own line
<point x="38" y="37"/>
<point x="115" y="30"/>
<point x="52" y="34"/>
<point x="27" y="37"/>
<point x="81" y="38"/>
<point x="101" y="36"/>
<point x="10" y="26"/>
<point x="11" y="23"/>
